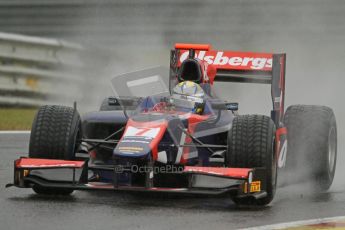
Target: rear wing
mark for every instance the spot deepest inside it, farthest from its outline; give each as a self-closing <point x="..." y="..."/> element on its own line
<point x="233" y="66"/>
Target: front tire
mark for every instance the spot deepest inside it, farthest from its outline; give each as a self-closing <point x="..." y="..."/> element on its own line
<point x="251" y="145"/>
<point x="55" y="134"/>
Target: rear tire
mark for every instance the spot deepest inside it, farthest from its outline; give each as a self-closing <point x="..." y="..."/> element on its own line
<point x="55" y="134"/>
<point x="251" y="144"/>
<point x="312" y="145"/>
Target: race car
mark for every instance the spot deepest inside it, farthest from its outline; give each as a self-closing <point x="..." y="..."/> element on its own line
<point x="165" y="130"/>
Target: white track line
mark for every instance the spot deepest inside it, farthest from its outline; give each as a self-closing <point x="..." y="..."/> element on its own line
<point x="15" y="132"/>
<point x="297" y="223"/>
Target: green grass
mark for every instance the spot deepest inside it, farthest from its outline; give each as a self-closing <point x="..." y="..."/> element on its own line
<point x="16" y="118"/>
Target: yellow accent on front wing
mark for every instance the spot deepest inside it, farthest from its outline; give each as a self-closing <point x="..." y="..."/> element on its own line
<point x="26" y="173"/>
<point x="255" y="186"/>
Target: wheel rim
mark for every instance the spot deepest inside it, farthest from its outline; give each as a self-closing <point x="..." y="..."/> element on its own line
<point x="331" y="149"/>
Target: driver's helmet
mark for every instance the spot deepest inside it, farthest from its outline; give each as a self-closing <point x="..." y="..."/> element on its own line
<point x="189" y="96"/>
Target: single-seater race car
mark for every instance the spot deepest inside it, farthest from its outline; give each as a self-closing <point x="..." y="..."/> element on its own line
<point x="166" y="131"/>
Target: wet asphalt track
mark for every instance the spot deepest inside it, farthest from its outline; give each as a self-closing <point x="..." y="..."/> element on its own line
<point x="22" y="209"/>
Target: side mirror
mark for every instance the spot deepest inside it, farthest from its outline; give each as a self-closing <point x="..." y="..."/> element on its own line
<point x="232" y="106"/>
<point x="124" y="101"/>
<point x="218" y="105"/>
<point x="113" y="101"/>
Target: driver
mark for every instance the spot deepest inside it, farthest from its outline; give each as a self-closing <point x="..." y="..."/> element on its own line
<point x="189" y="96"/>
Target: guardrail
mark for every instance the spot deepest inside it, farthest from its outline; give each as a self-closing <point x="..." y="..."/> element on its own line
<point x="36" y="71"/>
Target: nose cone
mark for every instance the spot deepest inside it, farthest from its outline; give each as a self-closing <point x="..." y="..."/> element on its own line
<point x="140" y="139"/>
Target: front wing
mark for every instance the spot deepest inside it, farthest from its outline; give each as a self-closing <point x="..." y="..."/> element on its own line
<point x="76" y="175"/>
